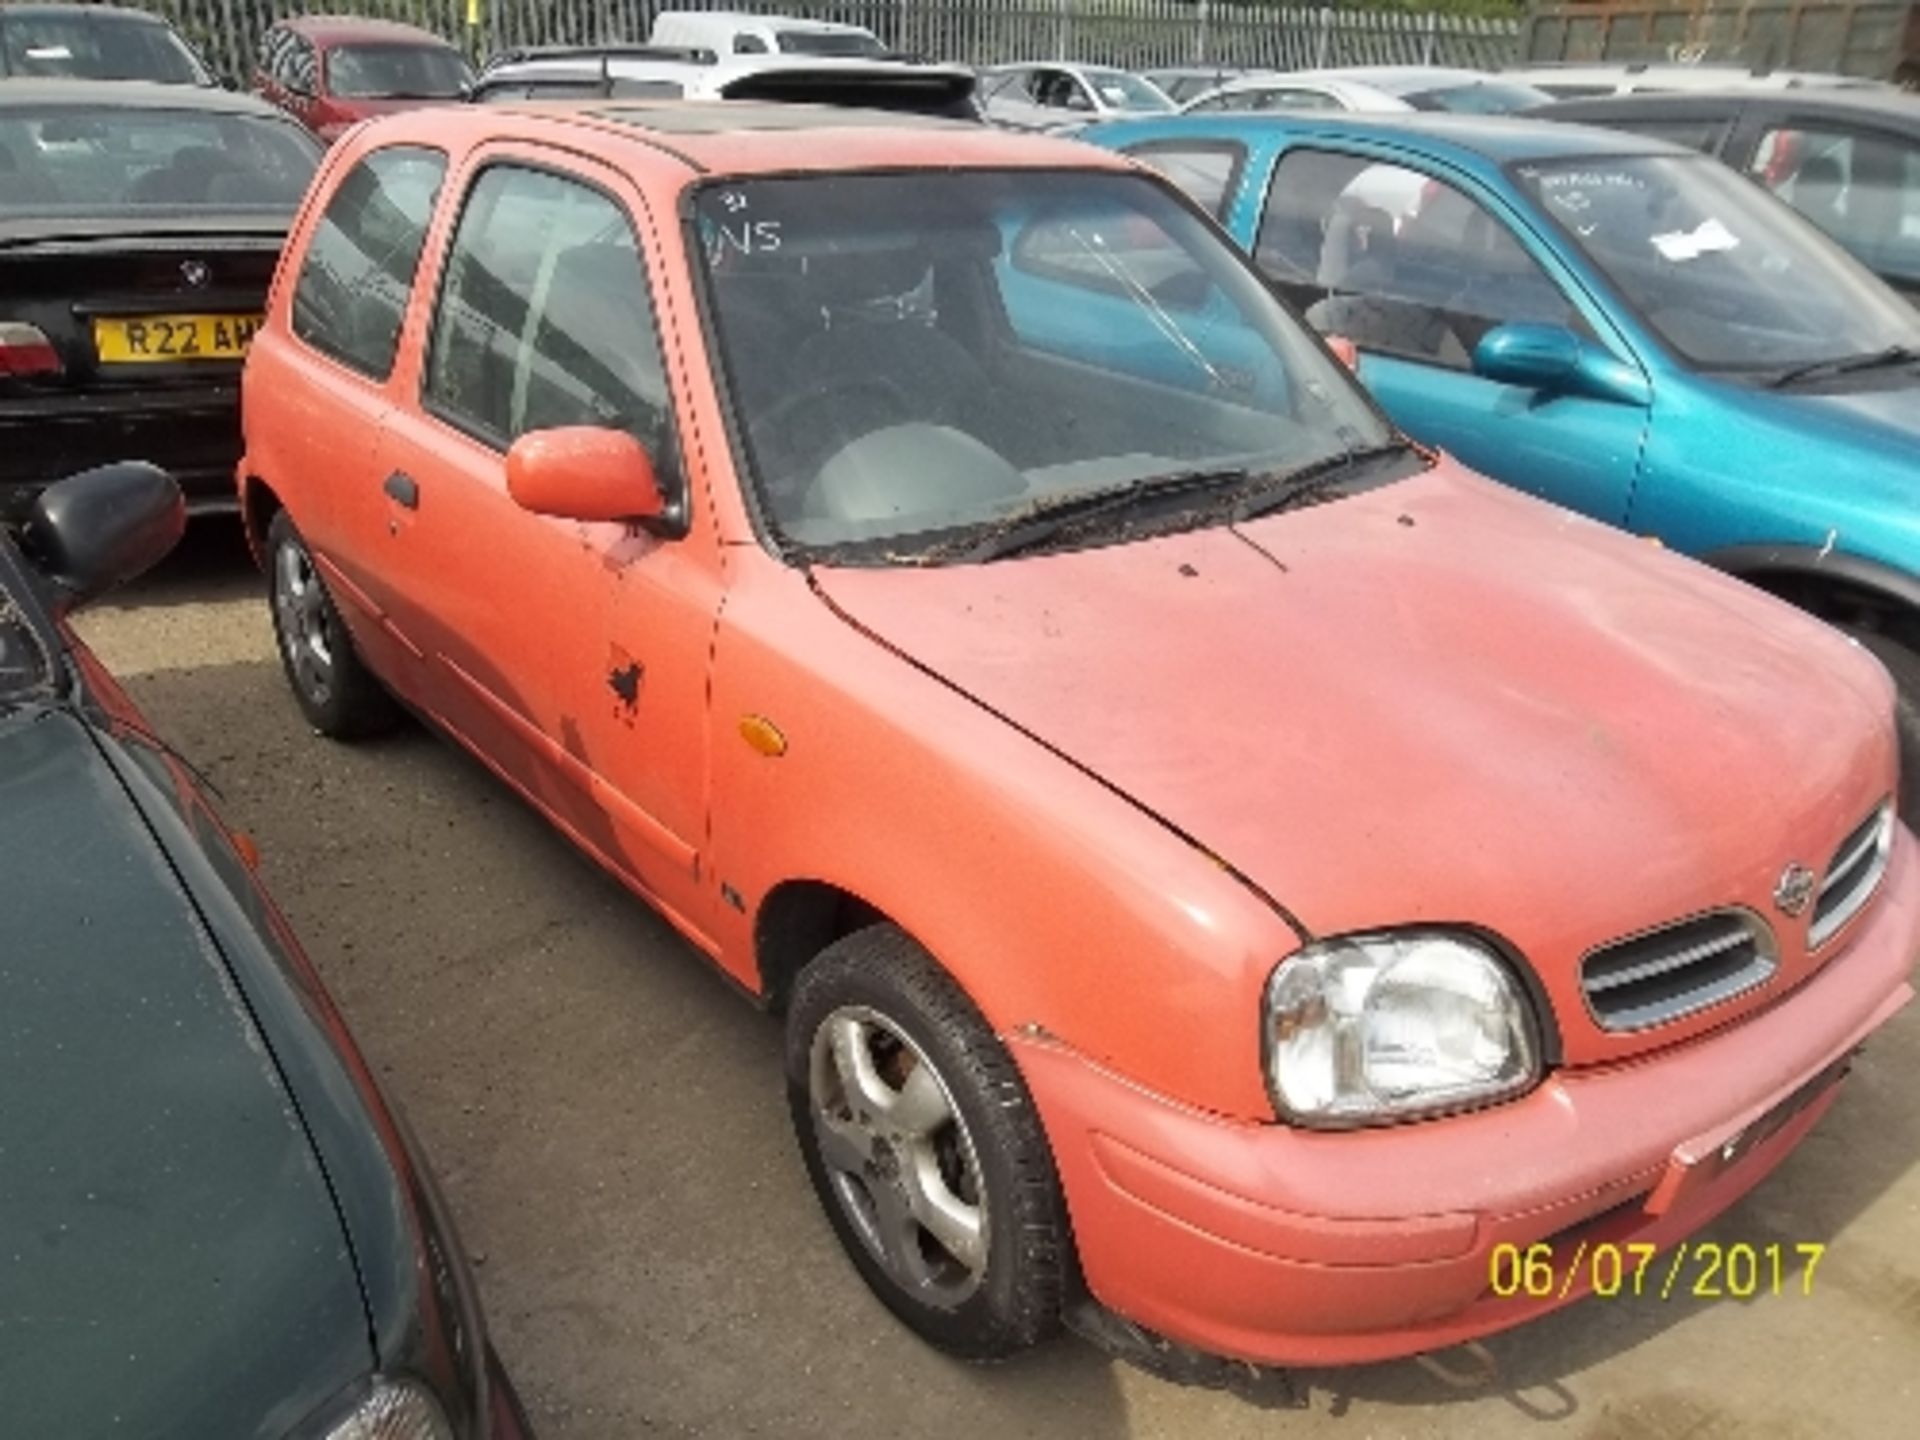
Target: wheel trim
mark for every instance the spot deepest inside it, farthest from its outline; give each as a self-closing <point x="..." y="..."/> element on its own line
<point x="306" y="630"/>
<point x="898" y="1157"/>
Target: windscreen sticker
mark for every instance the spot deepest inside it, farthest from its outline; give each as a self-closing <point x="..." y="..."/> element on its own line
<point x="1706" y="238"/>
<point x="742" y="237"/>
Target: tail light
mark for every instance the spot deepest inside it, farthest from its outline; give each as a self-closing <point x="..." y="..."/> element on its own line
<point x="25" y="350"/>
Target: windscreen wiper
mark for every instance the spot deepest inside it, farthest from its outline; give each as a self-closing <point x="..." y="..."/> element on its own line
<point x="1845" y="365"/>
<point x="1045" y="519"/>
<point x="1310" y="481"/>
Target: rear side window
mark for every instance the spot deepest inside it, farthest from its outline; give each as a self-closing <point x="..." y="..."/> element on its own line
<point x="544" y="317"/>
<point x="1208" y="171"/>
<point x="1702" y="134"/>
<point x="359" y="266"/>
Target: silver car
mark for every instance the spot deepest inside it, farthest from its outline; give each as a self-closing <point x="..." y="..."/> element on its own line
<point x="1049" y="96"/>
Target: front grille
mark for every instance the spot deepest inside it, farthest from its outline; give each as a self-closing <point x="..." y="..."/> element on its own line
<point x="1852" y="876"/>
<point x="1677" y="969"/>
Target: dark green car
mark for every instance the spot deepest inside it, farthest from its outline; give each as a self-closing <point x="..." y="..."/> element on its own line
<point x="211" y="1224"/>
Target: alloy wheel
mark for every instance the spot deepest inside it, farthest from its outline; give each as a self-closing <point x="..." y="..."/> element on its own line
<point x="898" y="1156"/>
<point x="306" y="629"/>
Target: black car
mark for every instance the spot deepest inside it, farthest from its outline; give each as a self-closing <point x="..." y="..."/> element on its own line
<point x="95" y="42"/>
<point x="139" y="228"/>
<point x="1847" y="159"/>
<point x="215" y="1226"/>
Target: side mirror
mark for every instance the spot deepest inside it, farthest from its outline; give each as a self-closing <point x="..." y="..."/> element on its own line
<point x="582" y="472"/>
<point x="1554" y="360"/>
<point x="103" y="527"/>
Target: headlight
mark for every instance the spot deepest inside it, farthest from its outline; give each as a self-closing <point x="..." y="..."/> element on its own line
<point x="1383" y="1027"/>
<point x="392" y="1410"/>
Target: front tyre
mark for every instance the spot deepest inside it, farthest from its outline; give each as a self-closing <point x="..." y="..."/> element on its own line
<point x="335" y="691"/>
<point x="924" y="1148"/>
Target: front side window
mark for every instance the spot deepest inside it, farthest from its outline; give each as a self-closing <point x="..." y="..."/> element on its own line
<point x="1726" y="276"/>
<point x="544" y="316"/>
<point x="911" y="357"/>
<point x="1397" y="261"/>
<point x="1119" y="90"/>
<point x="396" y="72"/>
<point x="151" y="162"/>
<point x="358" y="270"/>
<point x="1861" y="187"/>
<point x="1209" y="171"/>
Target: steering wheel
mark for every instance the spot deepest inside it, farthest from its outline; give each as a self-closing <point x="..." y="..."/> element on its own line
<point x="792" y="453"/>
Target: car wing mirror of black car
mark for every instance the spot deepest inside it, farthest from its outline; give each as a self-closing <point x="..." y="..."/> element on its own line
<point x="1554" y="360"/>
<point x="101" y="528"/>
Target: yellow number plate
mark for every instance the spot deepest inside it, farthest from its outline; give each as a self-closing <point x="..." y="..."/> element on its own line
<point x="148" y="338"/>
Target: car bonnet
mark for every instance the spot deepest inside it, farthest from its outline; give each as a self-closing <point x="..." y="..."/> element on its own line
<point x="172" y="1262"/>
<point x="1434" y="701"/>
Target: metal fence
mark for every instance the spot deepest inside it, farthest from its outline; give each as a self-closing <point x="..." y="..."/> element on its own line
<point x="1134" y="33"/>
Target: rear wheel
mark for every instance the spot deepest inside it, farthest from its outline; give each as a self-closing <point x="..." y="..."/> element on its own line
<point x="335" y="691"/>
<point x="1904" y="666"/>
<point x="924" y="1147"/>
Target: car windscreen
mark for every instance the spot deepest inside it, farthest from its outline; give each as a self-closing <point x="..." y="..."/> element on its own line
<point x="396" y="72"/>
<point x="95" y="47"/>
<point x="909" y="356"/>
<point x="1728" y="276"/>
<point x="828" y="42"/>
<point x="1120" y="91"/>
<point x="1478" y="97"/>
<point x="119" y="160"/>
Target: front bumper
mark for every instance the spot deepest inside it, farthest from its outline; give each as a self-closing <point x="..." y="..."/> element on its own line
<point x="190" y="431"/>
<point x="1291" y="1247"/>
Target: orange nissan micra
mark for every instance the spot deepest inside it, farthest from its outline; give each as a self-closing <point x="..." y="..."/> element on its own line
<point x="1205" y="847"/>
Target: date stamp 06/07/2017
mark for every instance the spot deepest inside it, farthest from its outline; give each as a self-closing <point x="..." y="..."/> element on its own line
<point x="1705" y="1270"/>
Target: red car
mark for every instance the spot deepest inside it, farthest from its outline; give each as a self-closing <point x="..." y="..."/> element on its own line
<point x="332" y="71"/>
<point x="1202" y="843"/>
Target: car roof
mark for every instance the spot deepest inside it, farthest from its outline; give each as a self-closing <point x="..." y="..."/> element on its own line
<point x="747" y="17"/>
<point x="1670" y="75"/>
<point x="1400" y="79"/>
<point x="345" y="29"/>
<point x="129" y="95"/>
<point x="746" y="137"/>
<point x="1881" y="104"/>
<point x="1498" y="138"/>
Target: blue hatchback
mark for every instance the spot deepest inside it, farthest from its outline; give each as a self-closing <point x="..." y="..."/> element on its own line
<point x="1607" y="321"/>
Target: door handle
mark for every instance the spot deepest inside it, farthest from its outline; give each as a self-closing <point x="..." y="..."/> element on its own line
<point x="400" y="486"/>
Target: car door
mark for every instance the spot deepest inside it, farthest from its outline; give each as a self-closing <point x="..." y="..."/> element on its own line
<point x="327" y="383"/>
<point x="1415" y="264"/>
<point x="1858" y="182"/>
<point x="571" y="656"/>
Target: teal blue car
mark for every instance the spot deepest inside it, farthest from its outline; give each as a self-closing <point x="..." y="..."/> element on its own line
<point x="1608" y="321"/>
